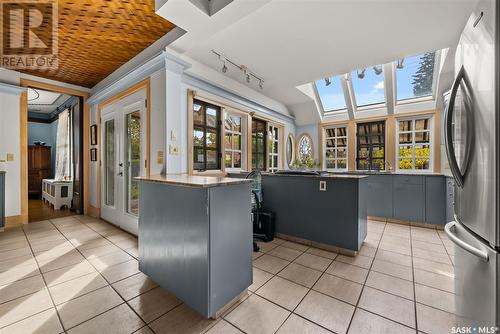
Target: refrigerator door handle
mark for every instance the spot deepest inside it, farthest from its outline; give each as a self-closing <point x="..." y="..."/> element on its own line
<point x="450" y="151"/>
<point x="483" y="255"/>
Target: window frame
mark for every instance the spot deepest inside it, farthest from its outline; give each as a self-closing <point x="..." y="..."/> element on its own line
<point x="335" y="138"/>
<point x="371" y="106"/>
<point x="342" y="80"/>
<point x="264" y="153"/>
<point x="275" y="142"/>
<point x="299" y="139"/>
<point x="196" y="127"/>
<point x="418" y="99"/>
<point x="243" y="141"/>
<point x="430" y="118"/>
<point x="370" y="145"/>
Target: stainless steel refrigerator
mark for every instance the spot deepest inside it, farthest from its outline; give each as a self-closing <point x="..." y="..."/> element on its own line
<point x="472" y="144"/>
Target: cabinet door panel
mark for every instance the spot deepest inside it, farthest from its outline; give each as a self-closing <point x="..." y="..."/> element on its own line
<point x="409" y="202"/>
<point x="435" y="200"/>
<point x="379" y="203"/>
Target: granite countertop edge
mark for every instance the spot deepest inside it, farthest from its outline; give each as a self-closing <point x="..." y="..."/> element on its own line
<point x="193" y="181"/>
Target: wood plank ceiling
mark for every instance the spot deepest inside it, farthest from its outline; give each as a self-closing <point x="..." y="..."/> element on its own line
<point x="98" y="36"/>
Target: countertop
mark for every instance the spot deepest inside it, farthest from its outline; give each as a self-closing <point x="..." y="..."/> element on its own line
<point x="324" y="176"/>
<point x="193" y="181"/>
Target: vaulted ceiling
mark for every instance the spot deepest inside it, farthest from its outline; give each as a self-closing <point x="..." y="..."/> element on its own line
<point x="98" y="36"/>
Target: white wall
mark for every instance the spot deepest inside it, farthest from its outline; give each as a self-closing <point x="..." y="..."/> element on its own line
<point x="10" y="143"/>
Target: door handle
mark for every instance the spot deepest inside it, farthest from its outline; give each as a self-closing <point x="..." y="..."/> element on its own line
<point x="450" y="151"/>
<point x="483" y="255"/>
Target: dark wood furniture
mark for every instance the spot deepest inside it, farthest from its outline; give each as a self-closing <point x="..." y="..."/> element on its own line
<point x="39" y="168"/>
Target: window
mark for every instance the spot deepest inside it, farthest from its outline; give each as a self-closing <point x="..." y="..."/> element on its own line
<point x="305" y="148"/>
<point x="371" y="146"/>
<point x="414" y="144"/>
<point x="258" y="145"/>
<point x="368" y="86"/>
<point x="273" y="148"/>
<point x="415" y="76"/>
<point x="336" y="148"/>
<point x="206" y="136"/>
<point x="233" y="142"/>
<point x="331" y="94"/>
<point x="290" y="150"/>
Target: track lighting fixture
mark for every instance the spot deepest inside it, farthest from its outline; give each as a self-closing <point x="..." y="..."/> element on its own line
<point x="328" y="82"/>
<point x="244" y="70"/>
<point x="361" y="73"/>
<point x="400" y="64"/>
<point x="377" y="69"/>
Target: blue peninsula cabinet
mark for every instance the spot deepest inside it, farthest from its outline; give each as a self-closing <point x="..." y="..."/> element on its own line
<point x="195" y="238"/>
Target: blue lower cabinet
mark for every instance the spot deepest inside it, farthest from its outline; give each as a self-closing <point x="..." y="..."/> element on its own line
<point x="435" y="200"/>
<point x="409" y="198"/>
<point x="379" y="203"/>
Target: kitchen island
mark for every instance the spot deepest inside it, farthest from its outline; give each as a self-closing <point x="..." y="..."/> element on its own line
<point x="325" y="210"/>
<point x="195" y="238"/>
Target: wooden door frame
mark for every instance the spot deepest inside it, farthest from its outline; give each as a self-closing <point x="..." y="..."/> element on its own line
<point x="144" y="84"/>
<point x="24" y="140"/>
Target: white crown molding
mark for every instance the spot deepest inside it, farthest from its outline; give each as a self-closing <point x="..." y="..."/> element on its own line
<point x="10" y="89"/>
<point x="141" y="72"/>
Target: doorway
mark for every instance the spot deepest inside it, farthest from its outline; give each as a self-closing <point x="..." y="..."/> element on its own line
<point x="123" y="157"/>
<point x="54" y="154"/>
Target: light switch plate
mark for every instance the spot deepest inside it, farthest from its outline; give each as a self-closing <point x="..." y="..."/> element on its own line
<point x="173" y="135"/>
<point x="160" y="157"/>
<point x="10" y="156"/>
<point x="322" y="185"/>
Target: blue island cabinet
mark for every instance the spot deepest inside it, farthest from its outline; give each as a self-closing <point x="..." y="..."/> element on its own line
<point x="195" y="238"/>
<point x="2" y="200"/>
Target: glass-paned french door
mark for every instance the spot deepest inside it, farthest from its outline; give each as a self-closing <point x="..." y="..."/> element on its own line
<point x="123" y="158"/>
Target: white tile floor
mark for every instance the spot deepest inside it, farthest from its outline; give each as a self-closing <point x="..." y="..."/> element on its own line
<point x="80" y="275"/>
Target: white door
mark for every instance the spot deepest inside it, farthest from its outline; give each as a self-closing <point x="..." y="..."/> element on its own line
<point x="123" y="158"/>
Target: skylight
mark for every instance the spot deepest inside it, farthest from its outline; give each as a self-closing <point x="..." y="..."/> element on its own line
<point x="415" y="76"/>
<point x="368" y="86"/>
<point x="331" y="95"/>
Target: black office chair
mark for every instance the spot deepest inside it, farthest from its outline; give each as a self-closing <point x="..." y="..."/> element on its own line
<point x="262" y="221"/>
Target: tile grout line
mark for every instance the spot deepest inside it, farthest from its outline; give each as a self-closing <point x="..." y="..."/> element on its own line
<point x="414" y="283"/>
<point x="109" y="284"/>
<point x="44" y="281"/>
<point x="364" y="283"/>
<point x="309" y="289"/>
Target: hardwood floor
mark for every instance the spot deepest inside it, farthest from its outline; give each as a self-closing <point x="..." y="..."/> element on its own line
<point x="37" y="211"/>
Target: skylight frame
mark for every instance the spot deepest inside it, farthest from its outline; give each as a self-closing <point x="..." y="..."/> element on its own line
<point x="417" y="99"/>
<point x="352" y="95"/>
<point x="320" y="100"/>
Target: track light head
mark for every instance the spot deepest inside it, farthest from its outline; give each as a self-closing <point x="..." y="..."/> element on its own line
<point x="224" y="68"/>
<point x="377" y="69"/>
<point x="328" y="82"/>
<point x="261" y="84"/>
<point x="400" y="65"/>
<point x="361" y="73"/>
<point x="248" y="78"/>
